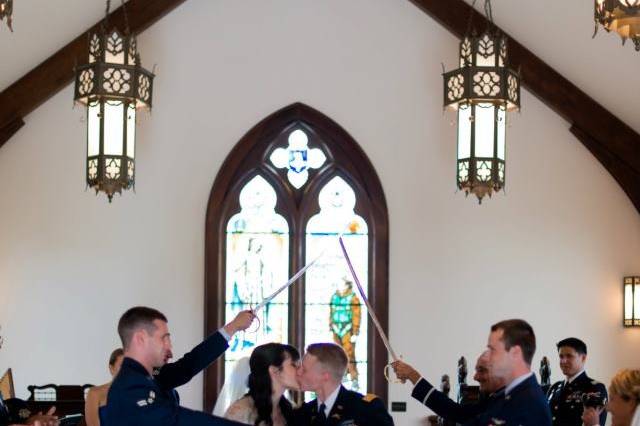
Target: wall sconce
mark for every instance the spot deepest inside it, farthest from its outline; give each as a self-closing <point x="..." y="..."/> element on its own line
<point x="631" y="302"/>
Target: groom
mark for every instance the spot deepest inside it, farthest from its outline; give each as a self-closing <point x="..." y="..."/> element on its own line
<point x="323" y="367"/>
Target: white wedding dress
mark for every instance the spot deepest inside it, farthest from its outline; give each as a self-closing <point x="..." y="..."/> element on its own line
<point x="244" y="411"/>
<point x="234" y="388"/>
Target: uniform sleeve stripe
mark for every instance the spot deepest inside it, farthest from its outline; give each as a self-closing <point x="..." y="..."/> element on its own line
<point x="424" y="401"/>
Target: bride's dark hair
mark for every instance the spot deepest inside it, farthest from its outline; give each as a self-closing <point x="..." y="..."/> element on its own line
<point x="263" y="357"/>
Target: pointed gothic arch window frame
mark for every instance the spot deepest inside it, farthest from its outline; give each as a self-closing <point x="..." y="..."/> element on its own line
<point x="345" y="158"/>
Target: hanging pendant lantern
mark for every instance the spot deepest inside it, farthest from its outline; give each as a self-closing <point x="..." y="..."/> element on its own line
<point x="482" y="90"/>
<point x="113" y="86"/>
<point x="621" y="16"/>
<point x="6" y="11"/>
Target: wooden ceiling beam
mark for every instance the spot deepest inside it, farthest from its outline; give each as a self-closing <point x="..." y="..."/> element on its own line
<point x="626" y="177"/>
<point x="52" y="75"/>
<point x="609" y="139"/>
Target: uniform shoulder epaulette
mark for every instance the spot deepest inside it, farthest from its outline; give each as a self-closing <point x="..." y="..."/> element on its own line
<point x="369" y="397"/>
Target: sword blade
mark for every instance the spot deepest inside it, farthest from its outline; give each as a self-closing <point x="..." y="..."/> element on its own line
<point x="372" y="313"/>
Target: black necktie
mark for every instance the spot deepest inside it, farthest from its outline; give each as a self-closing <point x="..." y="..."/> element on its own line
<point x="322" y="417"/>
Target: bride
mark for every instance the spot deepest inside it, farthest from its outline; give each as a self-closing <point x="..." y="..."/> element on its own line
<point x="273" y="370"/>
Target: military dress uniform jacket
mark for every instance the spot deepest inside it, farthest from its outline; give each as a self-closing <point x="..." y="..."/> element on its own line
<point x="524" y="405"/>
<point x="565" y="400"/>
<point x="137" y="399"/>
<point x="445" y="407"/>
<point x="350" y="409"/>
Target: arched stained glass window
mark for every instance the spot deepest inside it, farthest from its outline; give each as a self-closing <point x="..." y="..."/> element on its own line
<point x="291" y="185"/>
<point x="257" y="262"/>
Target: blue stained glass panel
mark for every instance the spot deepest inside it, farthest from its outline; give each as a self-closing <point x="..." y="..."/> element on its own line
<point x="257" y="263"/>
<point x="298" y="158"/>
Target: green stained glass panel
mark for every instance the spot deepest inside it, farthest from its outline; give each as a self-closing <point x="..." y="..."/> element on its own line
<point x="334" y="309"/>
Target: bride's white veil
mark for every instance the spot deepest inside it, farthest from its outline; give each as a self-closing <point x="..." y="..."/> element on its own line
<point x="234" y="388"/>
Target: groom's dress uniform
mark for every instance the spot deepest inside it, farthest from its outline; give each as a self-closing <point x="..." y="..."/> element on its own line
<point x="344" y="408"/>
<point x="136" y="398"/>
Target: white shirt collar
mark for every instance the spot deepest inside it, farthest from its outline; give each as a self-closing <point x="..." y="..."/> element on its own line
<point x="331" y="399"/>
<point x="572" y="378"/>
<point x="636" y="417"/>
<point x="516" y="382"/>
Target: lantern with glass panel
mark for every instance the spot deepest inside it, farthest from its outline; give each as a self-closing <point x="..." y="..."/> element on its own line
<point x="112" y="85"/>
<point x="6" y="10"/>
<point x="482" y="91"/>
<point x="620" y="16"/>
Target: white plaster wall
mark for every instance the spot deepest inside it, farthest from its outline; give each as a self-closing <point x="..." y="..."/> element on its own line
<point x="553" y="250"/>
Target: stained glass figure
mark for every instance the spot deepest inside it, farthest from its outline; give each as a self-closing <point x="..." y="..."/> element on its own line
<point x="298" y="158"/>
<point x="344" y="319"/>
<point x="257" y="263"/>
<point x="333" y="309"/>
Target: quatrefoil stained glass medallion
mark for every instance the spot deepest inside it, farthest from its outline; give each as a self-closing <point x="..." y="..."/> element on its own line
<point x="298" y="158"/>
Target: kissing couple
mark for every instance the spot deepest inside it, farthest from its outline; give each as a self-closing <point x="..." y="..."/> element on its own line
<point x="275" y="368"/>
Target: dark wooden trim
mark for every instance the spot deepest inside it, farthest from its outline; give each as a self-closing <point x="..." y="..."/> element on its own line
<point x="348" y="160"/>
<point x="604" y="131"/>
<point x="628" y="178"/>
<point x="52" y="75"/>
<point x="10" y="128"/>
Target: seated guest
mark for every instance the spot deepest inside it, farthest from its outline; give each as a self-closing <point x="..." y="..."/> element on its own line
<point x="323" y="368"/>
<point x="15" y="411"/>
<point x="624" y="401"/>
<point x="97" y="395"/>
<point x="565" y="396"/>
<point x="273" y="371"/>
<point x="440" y="403"/>
<point x="137" y="397"/>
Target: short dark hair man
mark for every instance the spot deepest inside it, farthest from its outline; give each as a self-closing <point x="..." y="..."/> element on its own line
<point x="322" y="370"/>
<point x="136" y="397"/>
<point x="565" y="396"/>
<point x="510" y="349"/>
